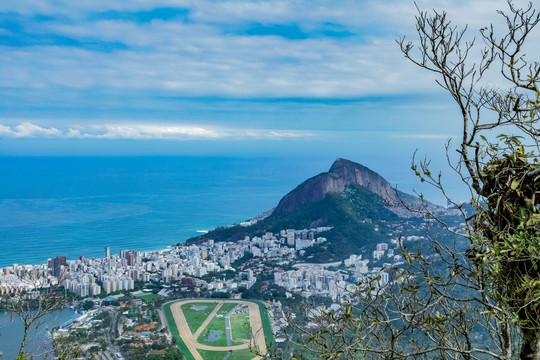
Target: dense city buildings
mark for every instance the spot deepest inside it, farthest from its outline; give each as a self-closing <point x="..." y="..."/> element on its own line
<point x="187" y="264"/>
<point x="271" y="266"/>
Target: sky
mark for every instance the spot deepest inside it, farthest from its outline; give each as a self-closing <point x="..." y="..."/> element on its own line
<point x="252" y="78"/>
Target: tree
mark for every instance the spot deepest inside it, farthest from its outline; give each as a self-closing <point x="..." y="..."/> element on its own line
<point x="472" y="292"/>
<point x="66" y="349"/>
<point x="31" y="304"/>
<point x="502" y="174"/>
<point x="88" y="305"/>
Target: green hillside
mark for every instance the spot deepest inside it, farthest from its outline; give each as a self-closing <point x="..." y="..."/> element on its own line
<point x="353" y="214"/>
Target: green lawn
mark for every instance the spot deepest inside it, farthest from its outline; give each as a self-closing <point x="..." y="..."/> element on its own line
<point x="240" y="328"/>
<point x="149" y="297"/>
<point x="217" y="323"/>
<point x="212" y="355"/>
<point x="244" y="354"/>
<point x="195" y="317"/>
<point x="225" y="308"/>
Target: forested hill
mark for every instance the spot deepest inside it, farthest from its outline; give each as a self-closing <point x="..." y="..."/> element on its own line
<point x="359" y="205"/>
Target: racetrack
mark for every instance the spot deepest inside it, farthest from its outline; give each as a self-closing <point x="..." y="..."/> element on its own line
<point x="190" y="339"/>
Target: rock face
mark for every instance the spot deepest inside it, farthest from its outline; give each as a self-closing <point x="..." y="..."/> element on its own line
<point x="341" y="174"/>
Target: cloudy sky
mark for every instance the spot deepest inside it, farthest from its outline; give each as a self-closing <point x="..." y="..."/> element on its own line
<point x="301" y="77"/>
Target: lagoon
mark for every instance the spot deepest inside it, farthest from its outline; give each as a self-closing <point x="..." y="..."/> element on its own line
<point x="39" y="343"/>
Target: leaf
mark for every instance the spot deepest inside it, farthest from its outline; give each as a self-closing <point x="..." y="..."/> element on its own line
<point x="514" y="185"/>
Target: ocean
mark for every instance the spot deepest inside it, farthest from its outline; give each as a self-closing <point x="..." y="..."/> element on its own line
<point x="75" y="206"/>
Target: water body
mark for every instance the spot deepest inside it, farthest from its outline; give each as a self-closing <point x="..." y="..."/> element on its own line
<point x="11" y="333"/>
<point x="73" y="206"/>
<point x="214" y="335"/>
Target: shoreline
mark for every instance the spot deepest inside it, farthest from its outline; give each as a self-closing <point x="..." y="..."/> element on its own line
<point x="168" y="247"/>
<point x="185" y="193"/>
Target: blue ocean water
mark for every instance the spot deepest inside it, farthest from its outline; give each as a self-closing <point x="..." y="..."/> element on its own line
<point x="73" y="206"/>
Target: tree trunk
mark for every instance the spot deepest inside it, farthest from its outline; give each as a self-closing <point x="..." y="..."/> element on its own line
<point x="530" y="348"/>
<point x="21" y="356"/>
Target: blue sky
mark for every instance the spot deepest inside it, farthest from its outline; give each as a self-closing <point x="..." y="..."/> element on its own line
<point x="288" y="78"/>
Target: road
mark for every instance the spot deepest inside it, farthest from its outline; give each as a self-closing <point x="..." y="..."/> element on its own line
<point x="111" y="348"/>
<point x="228" y="329"/>
<point x="162" y="318"/>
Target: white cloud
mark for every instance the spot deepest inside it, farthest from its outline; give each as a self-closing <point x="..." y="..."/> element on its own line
<point x="154" y="131"/>
<point x="73" y="133"/>
<point x="28" y="130"/>
<point x="350" y="12"/>
<point x="208" y="57"/>
<point x="200" y="58"/>
<point x="212" y="66"/>
<point x="5" y="131"/>
<point x="423" y="136"/>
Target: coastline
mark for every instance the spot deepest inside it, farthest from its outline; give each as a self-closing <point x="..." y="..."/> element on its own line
<point x="86" y="203"/>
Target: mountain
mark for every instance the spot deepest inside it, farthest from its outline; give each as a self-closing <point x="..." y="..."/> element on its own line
<point x="357" y="203"/>
<point x="342" y="173"/>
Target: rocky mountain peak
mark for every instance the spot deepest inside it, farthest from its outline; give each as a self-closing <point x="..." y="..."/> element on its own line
<point x="342" y="173"/>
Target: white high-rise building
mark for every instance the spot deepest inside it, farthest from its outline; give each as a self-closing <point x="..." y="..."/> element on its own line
<point x="290" y="237"/>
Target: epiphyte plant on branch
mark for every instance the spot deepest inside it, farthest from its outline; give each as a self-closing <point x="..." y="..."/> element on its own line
<point x="473" y="293"/>
<point x="503" y="174"/>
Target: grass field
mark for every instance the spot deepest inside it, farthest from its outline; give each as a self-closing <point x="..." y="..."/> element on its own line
<point x="239" y="323"/>
<point x="217" y="323"/>
<point x="195" y="318"/>
<point x="225" y="308"/>
<point x="245" y="354"/>
<point x="240" y="328"/>
<point x="212" y="355"/>
<point x="149" y="297"/>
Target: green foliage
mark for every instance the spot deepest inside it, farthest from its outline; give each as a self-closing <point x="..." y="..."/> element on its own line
<point x="505" y="245"/>
<point x="272" y="292"/>
<point x="66" y="348"/>
<point x="447" y="302"/>
<point x="352" y="215"/>
<point x="227" y="274"/>
<point x="88" y="305"/>
<point x="106" y="317"/>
